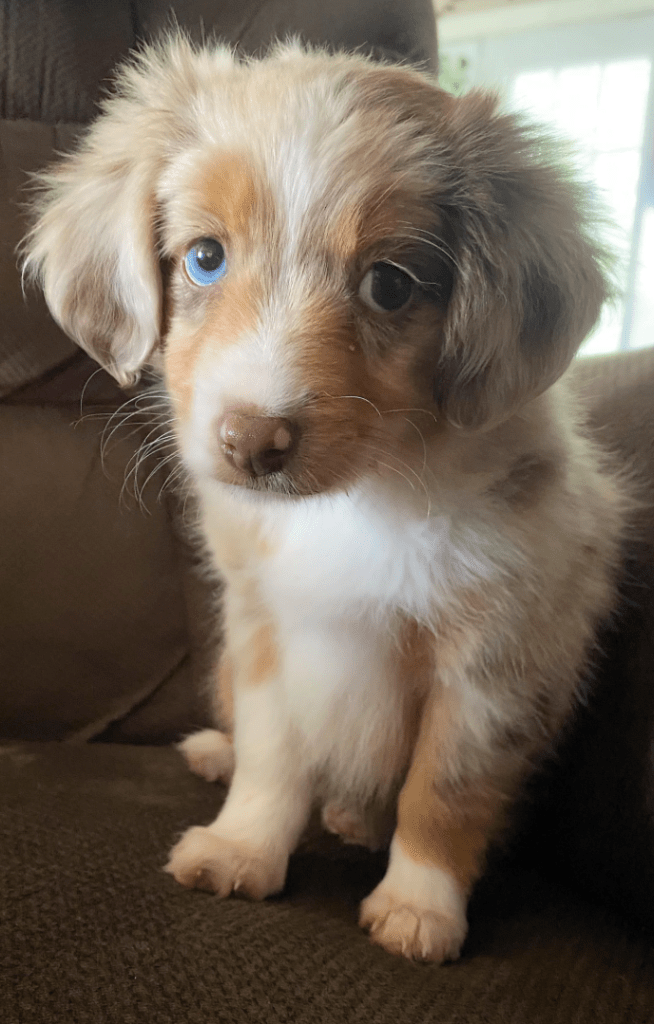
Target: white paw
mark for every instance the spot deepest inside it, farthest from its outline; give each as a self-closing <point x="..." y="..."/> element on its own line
<point x="418" y="910"/>
<point x="204" y="860"/>
<point x="210" y="754"/>
<point x="408" y="929"/>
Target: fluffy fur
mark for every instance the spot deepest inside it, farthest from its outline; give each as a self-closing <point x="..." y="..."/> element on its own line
<point x="411" y="599"/>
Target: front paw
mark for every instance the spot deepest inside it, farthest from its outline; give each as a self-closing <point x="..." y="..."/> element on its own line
<point x="205" y="860"/>
<point x="404" y="927"/>
<point x="210" y="754"/>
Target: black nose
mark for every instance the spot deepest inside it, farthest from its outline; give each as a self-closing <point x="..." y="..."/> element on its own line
<point x="257" y="445"/>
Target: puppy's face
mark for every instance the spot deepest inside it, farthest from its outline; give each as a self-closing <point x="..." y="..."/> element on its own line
<point x="328" y="260"/>
<point x="308" y="283"/>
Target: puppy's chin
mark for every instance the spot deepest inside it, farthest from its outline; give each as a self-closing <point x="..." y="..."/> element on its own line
<point x="274" y="486"/>
<point x="283" y="485"/>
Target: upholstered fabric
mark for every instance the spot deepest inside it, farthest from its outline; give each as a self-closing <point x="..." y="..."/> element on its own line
<point x="93" y="932"/>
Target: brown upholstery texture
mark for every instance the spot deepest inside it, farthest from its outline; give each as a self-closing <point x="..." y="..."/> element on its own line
<point x="396" y="31"/>
<point x="72" y="626"/>
<point x="30" y="342"/>
<point x="92" y="932"/>
<point x="56" y="56"/>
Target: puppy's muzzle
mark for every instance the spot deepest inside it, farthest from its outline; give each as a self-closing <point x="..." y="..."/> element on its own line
<point x="257" y="445"/>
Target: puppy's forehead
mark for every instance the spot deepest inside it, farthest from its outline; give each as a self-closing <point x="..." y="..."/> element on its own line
<point x="344" y="157"/>
<point x="229" y="189"/>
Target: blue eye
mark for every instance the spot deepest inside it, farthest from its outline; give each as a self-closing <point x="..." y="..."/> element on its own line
<point x="205" y="263"/>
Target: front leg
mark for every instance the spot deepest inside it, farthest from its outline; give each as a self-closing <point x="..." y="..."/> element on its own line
<point x="246" y="849"/>
<point x="451" y="806"/>
<point x="210" y="752"/>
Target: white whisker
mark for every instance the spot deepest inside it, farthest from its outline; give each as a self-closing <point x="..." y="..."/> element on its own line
<point x="86" y="384"/>
<point x="374" y="445"/>
<point x="426" y="412"/>
<point x="358" y="398"/>
<point x="422" y="438"/>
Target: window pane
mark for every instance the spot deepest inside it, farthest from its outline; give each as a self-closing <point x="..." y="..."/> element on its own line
<point x="576" y="109"/>
<point x="642" y="328"/>
<point x="617" y="174"/>
<point x="535" y="93"/>
<point x="622" y="102"/>
<point x="601" y="108"/>
<point x="607" y="334"/>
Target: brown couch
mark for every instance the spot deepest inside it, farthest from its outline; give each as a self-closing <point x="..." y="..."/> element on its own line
<point x="104" y="639"/>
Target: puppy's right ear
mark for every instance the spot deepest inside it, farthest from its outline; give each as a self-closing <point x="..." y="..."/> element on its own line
<point x="93" y="247"/>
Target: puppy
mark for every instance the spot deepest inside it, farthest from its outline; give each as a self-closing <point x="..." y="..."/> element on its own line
<point x="361" y="294"/>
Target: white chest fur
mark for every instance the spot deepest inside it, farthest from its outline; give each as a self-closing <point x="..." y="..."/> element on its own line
<point x="336" y="575"/>
<point x="367" y="553"/>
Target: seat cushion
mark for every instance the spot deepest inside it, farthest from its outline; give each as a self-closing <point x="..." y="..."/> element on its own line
<point x="94" y="589"/>
<point x="91" y="930"/>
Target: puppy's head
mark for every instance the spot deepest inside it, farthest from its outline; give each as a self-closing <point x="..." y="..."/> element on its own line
<point x="320" y="255"/>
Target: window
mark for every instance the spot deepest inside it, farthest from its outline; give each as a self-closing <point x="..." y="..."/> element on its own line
<point x="594" y="84"/>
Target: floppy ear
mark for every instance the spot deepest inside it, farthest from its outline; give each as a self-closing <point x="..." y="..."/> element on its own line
<point x="93" y="247"/>
<point x="529" y="279"/>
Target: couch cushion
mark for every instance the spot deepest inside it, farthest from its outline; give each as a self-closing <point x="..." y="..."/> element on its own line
<point x="53" y="56"/>
<point x="92" y="931"/>
<point x="30" y="341"/>
<point x="92" y="603"/>
<point x="403" y="31"/>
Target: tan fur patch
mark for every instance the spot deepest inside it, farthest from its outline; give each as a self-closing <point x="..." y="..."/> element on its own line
<point x="265" y="656"/>
<point x="232" y="204"/>
<point x="363" y="225"/>
<point x="226" y="316"/>
<point x="439" y="824"/>
<point x="179" y="360"/>
<point x="225" y="691"/>
<point x="459" y="635"/>
<point x="228" y="189"/>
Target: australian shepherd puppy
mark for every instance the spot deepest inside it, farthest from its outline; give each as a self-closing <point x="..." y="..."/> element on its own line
<point x="361" y="294"/>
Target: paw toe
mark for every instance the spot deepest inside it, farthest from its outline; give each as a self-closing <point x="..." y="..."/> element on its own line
<point x="407" y="929"/>
<point x="204" y="860"/>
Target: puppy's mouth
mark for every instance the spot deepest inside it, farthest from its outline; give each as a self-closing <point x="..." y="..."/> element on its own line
<point x="296" y="480"/>
<point x="281" y="484"/>
<point x="275" y="485"/>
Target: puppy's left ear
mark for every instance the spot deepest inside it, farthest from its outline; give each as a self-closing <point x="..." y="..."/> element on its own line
<point x="529" y="278"/>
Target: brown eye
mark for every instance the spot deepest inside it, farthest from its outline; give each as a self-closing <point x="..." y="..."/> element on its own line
<point x="386" y="288"/>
